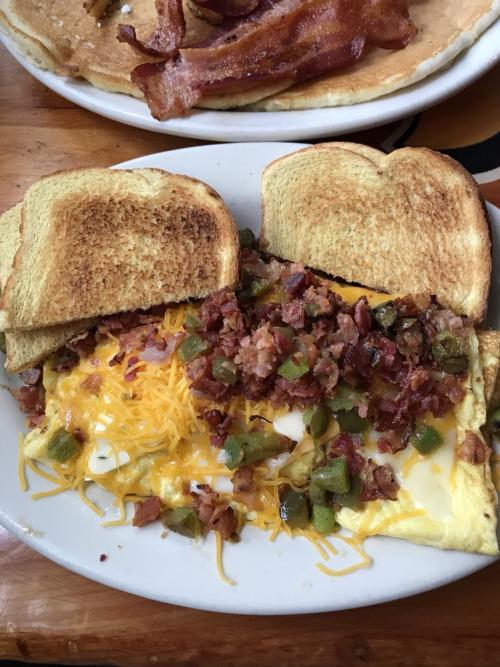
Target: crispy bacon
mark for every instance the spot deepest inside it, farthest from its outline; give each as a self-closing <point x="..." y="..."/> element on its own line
<point x="167" y="36"/>
<point x="378" y="482"/>
<point x="245" y="489"/>
<point x="84" y="344"/>
<point x="31" y="399"/>
<point x="345" y="445"/>
<point x="65" y="359"/>
<point x="214" y="515"/>
<point x="473" y="449"/>
<point x="92" y="383"/>
<point x="229" y="8"/>
<point x="147" y="511"/>
<point x="31" y="376"/>
<point x="283" y="42"/>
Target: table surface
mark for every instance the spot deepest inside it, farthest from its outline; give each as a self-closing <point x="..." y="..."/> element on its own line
<point x="48" y="614"/>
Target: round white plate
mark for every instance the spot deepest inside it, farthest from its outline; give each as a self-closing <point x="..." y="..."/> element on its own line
<point x="272" y="578"/>
<point x="284" y="125"/>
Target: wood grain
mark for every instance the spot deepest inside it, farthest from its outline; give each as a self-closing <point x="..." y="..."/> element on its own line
<point x="52" y="615"/>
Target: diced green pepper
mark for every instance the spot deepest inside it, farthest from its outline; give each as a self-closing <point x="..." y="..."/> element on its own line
<point x="191" y="322"/>
<point x="224" y="370"/>
<point x="2" y="342"/>
<point x="311" y="309"/>
<point x="294" y="509"/>
<point x="247" y="448"/>
<point x="233" y="451"/>
<point x="493" y="422"/>
<point x="256" y="287"/>
<point x="294" y="367"/>
<point x="345" y="398"/>
<point x="62" y="446"/>
<point x="455" y="365"/>
<point x="323" y="519"/>
<point x="247" y="238"/>
<point x="334" y="476"/>
<point x="316" y="418"/>
<point x="258" y="445"/>
<point x="317" y="494"/>
<point x="386" y="314"/>
<point x="426" y="439"/>
<point x="351" y="498"/>
<point x="192" y="346"/>
<point x="183" y="520"/>
<point x="447" y="344"/>
<point x="350" y="421"/>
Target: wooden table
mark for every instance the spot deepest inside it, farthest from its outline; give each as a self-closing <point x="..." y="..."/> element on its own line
<point x="49" y="614"/>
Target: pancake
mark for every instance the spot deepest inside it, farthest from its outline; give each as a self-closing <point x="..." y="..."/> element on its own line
<point x="63" y="38"/>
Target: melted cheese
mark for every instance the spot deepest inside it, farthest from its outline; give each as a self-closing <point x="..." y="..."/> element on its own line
<point x="352" y="293"/>
<point x="145" y="437"/>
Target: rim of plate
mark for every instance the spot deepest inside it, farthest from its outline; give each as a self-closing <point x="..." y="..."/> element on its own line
<point x="239" y="126"/>
<point x="466" y="563"/>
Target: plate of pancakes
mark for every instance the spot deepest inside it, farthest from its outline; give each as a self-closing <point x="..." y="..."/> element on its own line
<point x="370" y="76"/>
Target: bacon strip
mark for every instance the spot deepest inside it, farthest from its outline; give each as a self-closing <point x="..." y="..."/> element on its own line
<point x="167" y="36"/>
<point x="229" y="7"/>
<point x="283" y="42"/>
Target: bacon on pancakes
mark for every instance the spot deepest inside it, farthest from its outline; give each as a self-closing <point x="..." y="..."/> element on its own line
<point x="281" y="42"/>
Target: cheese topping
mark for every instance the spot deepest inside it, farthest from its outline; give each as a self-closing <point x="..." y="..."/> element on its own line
<point x="146" y="438"/>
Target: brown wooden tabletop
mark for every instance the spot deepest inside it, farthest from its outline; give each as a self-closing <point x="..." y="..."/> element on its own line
<point x="48" y="614"/>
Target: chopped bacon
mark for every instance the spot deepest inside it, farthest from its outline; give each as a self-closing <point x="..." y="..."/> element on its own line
<point x="293" y="314"/>
<point x="168" y="34"/>
<point x="31" y="399"/>
<point x="282" y="42"/>
<point x="295" y="283"/>
<point x="362" y="317"/>
<point x="65" y="359"/>
<point x="321" y="297"/>
<point x="117" y="359"/>
<point x="221" y="311"/>
<point x="147" y="511"/>
<point x="347" y="331"/>
<point x="345" y="445"/>
<point x="84" y="344"/>
<point x="258" y="355"/>
<point x="410" y="341"/>
<point x="229" y="8"/>
<point x="35" y="420"/>
<point x="301" y="393"/>
<point x="378" y="482"/>
<point x="132" y="369"/>
<point x="92" y="383"/>
<point x="137" y="338"/>
<point x="245" y="488"/>
<point x="79" y="435"/>
<point x="31" y="376"/>
<point x="214" y="515"/>
<point x="473" y="449"/>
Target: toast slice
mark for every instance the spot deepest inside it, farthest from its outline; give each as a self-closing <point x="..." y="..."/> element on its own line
<point x="411" y="221"/>
<point x="26" y="349"/>
<point x="101" y="241"/>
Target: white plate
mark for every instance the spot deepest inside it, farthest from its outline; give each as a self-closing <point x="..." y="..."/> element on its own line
<point x="284" y="125"/>
<point x="272" y="578"/>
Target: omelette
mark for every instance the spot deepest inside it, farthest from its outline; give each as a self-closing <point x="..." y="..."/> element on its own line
<point x="297" y="405"/>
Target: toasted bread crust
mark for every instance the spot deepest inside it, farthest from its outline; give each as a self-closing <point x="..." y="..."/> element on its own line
<point x="102" y="241"/>
<point x="410" y="221"/>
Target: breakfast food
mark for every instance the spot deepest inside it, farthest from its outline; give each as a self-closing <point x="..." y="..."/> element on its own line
<point x="290" y="401"/>
<point x="73" y="42"/>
